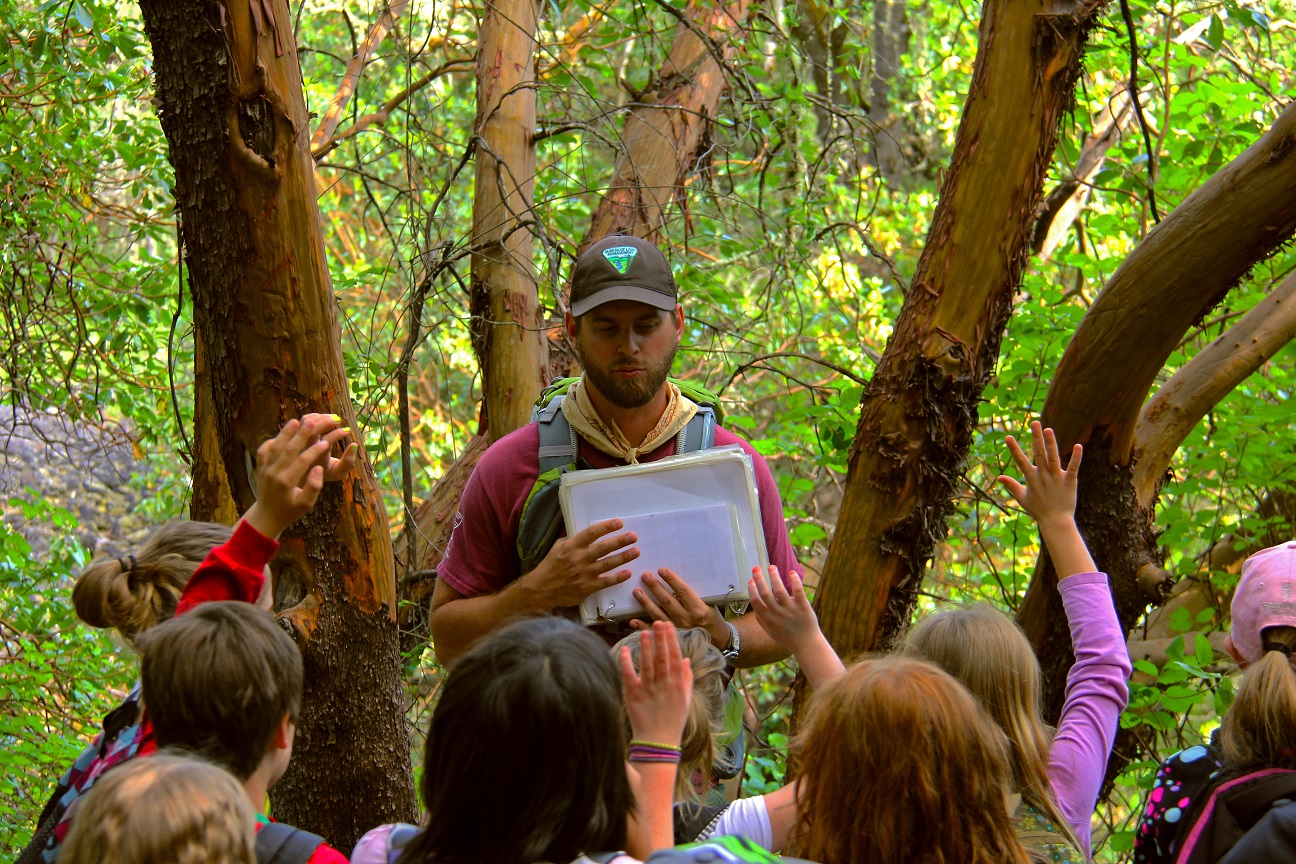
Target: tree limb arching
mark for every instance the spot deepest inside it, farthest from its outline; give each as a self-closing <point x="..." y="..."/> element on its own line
<point x="1181" y="403"/>
<point x="1184" y="266"/>
<point x="919" y="411"/>
<point x="664" y="131"/>
<point x="351" y="78"/>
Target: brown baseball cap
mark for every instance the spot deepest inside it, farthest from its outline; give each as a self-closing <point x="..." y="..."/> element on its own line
<point x="622" y="267"/>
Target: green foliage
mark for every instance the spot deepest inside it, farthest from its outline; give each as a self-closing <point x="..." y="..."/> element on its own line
<point x="792" y="252"/>
<point x="58" y="678"/>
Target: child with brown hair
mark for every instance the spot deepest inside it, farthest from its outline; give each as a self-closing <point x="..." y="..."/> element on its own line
<point x="167" y="809"/>
<point x="541" y="702"/>
<point x="133" y="594"/>
<point x="225" y="682"/>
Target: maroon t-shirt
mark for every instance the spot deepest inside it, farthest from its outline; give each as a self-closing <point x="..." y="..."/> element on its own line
<point x="481" y="557"/>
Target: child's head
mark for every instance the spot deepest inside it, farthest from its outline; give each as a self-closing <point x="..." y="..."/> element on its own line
<point x="898" y="763"/>
<point x="1260" y="728"/>
<point x="225" y="681"/>
<point x="526" y="751"/>
<point x="163" y="807"/>
<point x="989" y="654"/>
<point x="706" y="708"/>
<point x="135" y="592"/>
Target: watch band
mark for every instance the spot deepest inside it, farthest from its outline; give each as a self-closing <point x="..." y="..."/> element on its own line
<point x="731" y="650"/>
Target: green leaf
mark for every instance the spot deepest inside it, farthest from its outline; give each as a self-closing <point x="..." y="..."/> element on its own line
<point x="1215" y="33"/>
<point x="83" y="16"/>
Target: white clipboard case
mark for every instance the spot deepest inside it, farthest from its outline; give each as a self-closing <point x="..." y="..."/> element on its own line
<point x="698" y="514"/>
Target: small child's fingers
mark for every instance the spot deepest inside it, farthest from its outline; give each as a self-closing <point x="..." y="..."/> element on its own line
<point x="796" y="589"/>
<point x="1037" y="443"/>
<point x="311" y="488"/>
<point x="1024" y="464"/>
<point x="1015" y="489"/>
<point x="629" y="678"/>
<point x="762" y="587"/>
<point x="776" y="586"/>
<point x="1051" y="451"/>
<point x="270" y="448"/>
<point x="306" y="463"/>
<point x="340" y="467"/>
<point x="1073" y="464"/>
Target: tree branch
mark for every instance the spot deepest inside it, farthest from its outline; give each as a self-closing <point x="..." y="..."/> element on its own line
<point x="351" y="79"/>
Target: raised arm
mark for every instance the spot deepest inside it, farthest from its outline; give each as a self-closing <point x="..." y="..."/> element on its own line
<point x="1096" y="689"/>
<point x="786" y="615"/>
<point x="1048" y="495"/>
<point x="657" y="702"/>
<point x="292" y="469"/>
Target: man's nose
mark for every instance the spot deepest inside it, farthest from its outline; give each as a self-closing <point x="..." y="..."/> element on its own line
<point x="629" y="346"/>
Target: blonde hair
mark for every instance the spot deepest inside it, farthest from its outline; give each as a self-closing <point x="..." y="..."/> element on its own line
<point x="989" y="654"/>
<point x="706" y="707"/>
<point x="163" y="809"/>
<point x="138" y="591"/>
<point x="1259" y="730"/>
<point x="897" y="763"/>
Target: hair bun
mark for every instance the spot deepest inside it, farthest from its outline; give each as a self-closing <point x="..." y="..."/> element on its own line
<point x="102" y="595"/>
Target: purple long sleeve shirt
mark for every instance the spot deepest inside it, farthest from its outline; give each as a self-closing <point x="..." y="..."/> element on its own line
<point x="1096" y="694"/>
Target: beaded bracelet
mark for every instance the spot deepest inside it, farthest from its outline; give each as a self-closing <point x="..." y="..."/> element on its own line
<point x="641" y="753"/>
<point x="639" y="742"/>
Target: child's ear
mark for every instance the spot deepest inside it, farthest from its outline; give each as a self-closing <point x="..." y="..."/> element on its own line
<point x="284" y="733"/>
<point x="1234" y="653"/>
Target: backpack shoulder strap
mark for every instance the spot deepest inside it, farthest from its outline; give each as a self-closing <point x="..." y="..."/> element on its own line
<point x="1231" y="809"/>
<point x="541" y="519"/>
<point x="699" y="434"/>
<point x="558" y="446"/>
<point x="398" y="838"/>
<point x="284" y="844"/>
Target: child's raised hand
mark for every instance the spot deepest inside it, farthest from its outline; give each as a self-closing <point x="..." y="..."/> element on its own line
<point x="782" y="610"/>
<point x="292" y="468"/>
<point x="657" y="696"/>
<point x="1048" y="490"/>
<point x="786" y="615"/>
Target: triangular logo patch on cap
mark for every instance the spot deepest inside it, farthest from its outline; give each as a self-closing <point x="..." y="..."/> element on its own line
<point x="620" y="257"/>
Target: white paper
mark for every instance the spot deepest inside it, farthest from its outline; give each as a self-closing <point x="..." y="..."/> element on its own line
<point x="719" y="477"/>
<point x="698" y="544"/>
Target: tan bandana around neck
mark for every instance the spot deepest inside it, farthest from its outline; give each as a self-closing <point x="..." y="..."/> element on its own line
<point x="607" y="438"/>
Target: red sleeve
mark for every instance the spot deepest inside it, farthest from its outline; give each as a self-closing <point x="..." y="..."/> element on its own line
<point x="326" y="854"/>
<point x="231" y="571"/>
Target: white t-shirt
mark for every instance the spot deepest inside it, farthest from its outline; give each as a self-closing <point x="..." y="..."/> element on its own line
<point x="373" y="848"/>
<point x="748" y="817"/>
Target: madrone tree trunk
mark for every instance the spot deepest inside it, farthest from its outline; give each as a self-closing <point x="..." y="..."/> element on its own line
<point x="229" y="94"/>
<point x="669" y="125"/>
<point x="507" y="322"/>
<point x="1181" y="270"/>
<point x="919" y="410"/>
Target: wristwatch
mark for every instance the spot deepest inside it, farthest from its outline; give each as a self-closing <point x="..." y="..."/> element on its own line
<point x="730" y="651"/>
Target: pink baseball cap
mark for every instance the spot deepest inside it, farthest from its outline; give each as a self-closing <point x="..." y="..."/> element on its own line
<point x="1265" y="597"/>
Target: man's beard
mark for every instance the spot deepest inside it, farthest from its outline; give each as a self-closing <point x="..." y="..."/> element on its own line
<point x="633" y="392"/>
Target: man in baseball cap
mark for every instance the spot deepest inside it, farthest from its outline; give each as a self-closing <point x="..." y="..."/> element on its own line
<point x="625" y="321"/>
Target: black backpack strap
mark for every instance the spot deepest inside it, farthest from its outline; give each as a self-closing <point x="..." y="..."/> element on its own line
<point x="284" y="844"/>
<point x="694" y="820"/>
